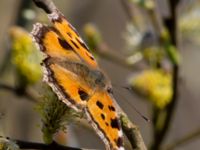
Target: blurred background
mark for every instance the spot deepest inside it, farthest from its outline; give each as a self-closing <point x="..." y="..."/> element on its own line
<point x="135" y="49"/>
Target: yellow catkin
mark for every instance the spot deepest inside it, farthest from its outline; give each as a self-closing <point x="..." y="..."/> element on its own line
<point x="155" y="85"/>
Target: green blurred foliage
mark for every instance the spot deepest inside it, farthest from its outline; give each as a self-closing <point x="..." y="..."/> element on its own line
<point x="170" y="49"/>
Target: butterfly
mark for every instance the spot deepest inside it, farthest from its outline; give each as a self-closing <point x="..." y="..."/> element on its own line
<point x="74" y="75"/>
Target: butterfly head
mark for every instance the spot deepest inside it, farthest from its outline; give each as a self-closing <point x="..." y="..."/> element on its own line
<point x="99" y="80"/>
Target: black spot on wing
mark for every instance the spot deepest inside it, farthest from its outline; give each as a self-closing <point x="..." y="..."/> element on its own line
<point x="111" y="108"/>
<point x="83" y="95"/>
<point x="119" y="142"/>
<point x="99" y="104"/>
<point x="115" y="123"/>
<point x="64" y="44"/>
<point x="103" y="116"/>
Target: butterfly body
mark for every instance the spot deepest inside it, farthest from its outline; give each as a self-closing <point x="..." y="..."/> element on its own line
<point x="74" y="75"/>
<point x="94" y="78"/>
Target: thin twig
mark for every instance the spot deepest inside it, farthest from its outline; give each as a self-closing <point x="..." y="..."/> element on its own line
<point x="5" y="63"/>
<point x="26" y="94"/>
<point x="155" y="19"/>
<point x="105" y="52"/>
<point x="47" y="5"/>
<point x="127" y="10"/>
<point x="129" y="13"/>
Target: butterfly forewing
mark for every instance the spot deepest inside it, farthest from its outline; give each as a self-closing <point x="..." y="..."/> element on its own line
<point x="51" y="43"/>
<point x="72" y="37"/>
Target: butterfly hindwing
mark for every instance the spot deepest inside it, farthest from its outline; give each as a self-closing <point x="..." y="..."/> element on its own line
<point x="66" y="84"/>
<point x="102" y="112"/>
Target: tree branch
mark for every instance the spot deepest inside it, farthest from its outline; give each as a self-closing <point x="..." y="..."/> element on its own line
<point x="47" y="5"/>
<point x="105" y="52"/>
<point x="34" y="145"/>
<point x="41" y="146"/>
<point x="131" y="13"/>
<point x="132" y="132"/>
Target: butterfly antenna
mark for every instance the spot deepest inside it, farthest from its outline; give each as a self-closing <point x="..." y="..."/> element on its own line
<point x="127" y="88"/>
<point x="136" y="110"/>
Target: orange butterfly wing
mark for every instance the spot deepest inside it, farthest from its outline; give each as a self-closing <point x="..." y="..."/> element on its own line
<point x="70" y="34"/>
<point x="104" y="119"/>
<point x="51" y="43"/>
<point x="67" y="85"/>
